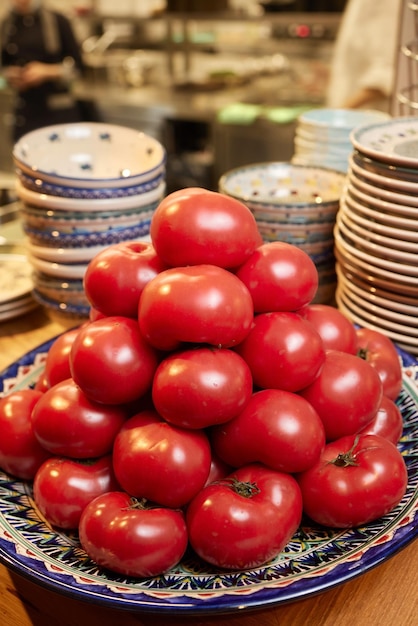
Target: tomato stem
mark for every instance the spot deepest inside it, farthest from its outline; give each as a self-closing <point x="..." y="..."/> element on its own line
<point x="244" y="489"/>
<point x="347" y="459"/>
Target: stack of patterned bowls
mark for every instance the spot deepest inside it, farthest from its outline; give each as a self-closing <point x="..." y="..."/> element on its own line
<point x="376" y="233"/>
<point x="296" y="204"/>
<point x="322" y="136"/>
<point x="83" y="187"/>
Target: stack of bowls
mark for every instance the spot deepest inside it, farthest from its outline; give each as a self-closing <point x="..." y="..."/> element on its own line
<point x="295" y="204"/>
<point x="376" y="233"/>
<point x="81" y="188"/>
<point x="322" y="136"/>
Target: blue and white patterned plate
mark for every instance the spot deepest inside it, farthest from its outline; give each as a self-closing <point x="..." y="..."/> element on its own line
<point x="315" y="560"/>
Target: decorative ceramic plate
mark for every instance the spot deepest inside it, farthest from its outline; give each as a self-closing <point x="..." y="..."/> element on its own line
<point x="316" y="559"/>
<point x="394" y="141"/>
<point x="15" y="277"/>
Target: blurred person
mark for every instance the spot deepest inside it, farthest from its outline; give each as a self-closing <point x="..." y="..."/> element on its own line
<point x="364" y="61"/>
<point x="40" y="57"/>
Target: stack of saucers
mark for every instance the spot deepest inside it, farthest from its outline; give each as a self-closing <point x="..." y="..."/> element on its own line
<point x="83" y="187"/>
<point x="376" y="233"/>
<point x="322" y="136"/>
<point x="296" y="204"/>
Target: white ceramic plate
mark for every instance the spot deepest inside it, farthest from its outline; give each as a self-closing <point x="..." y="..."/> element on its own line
<point x="388" y="219"/>
<point x="81" y="204"/>
<point x="383" y="181"/>
<point x="374" y="295"/>
<point x="58" y="269"/>
<point x="15" y="277"/>
<point x="63" y="255"/>
<point x="376" y="250"/>
<point x="394" y="141"/>
<point x="97" y="154"/>
<point x="364" y="229"/>
<point x="406" y="203"/>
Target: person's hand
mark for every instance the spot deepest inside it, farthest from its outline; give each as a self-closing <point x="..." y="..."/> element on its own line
<point x="13" y="75"/>
<point x="36" y="73"/>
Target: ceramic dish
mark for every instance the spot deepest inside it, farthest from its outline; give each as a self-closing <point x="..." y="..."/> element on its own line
<point x="408" y="323"/>
<point x="15" y="277"/>
<point x="374" y="249"/>
<point x="89" y="154"/>
<point x="63" y="255"/>
<point x="362" y="320"/>
<point x="59" y="270"/>
<point x="16" y="311"/>
<point x="381" y="181"/>
<point x="408" y="200"/>
<point x="359" y="271"/>
<point x="62" y="305"/>
<point x="363" y="228"/>
<point x="34" y="183"/>
<point x="316" y="559"/>
<point x="381" y="217"/>
<point x="400" y="272"/>
<point x="333" y="121"/>
<point x="283" y="184"/>
<point x="99" y="204"/>
<point x="394" y="141"/>
<point x="387" y="169"/>
<point x="403" y="333"/>
<point x="387" y="300"/>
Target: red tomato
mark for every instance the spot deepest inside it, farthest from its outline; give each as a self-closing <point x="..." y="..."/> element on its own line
<point x="63" y="487"/>
<point x="379" y="351"/>
<point x="21" y="454"/>
<point x="115" y="277"/>
<point x="283" y="351"/>
<point x="123" y="535"/>
<point x="67" y="423"/>
<point x="346" y="394"/>
<point x="57" y="364"/>
<point x="280" y="277"/>
<point x="336" y="331"/>
<point x="195" y="226"/>
<point x="201" y="387"/>
<point x="277" y="428"/>
<point x="387" y="422"/>
<point x="198" y="304"/>
<point x="111" y="361"/>
<point x="160" y="462"/>
<point x="358" y="479"/>
<point x="246" y="519"/>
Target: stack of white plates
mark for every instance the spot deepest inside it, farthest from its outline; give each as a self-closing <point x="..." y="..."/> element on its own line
<point x="376" y="233"/>
<point x="322" y="136"/>
<point x="83" y="187"/>
<point x="15" y="286"/>
<point x="296" y="204"/>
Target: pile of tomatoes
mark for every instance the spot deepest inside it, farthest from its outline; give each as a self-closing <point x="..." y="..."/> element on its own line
<point x="207" y="405"/>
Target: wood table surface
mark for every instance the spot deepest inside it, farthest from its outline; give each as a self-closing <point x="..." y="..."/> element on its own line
<point x="386" y="595"/>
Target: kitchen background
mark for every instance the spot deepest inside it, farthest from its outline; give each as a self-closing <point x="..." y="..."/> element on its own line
<point x="220" y="83"/>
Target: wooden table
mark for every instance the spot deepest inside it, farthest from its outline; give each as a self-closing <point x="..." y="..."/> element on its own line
<point x="385" y="596"/>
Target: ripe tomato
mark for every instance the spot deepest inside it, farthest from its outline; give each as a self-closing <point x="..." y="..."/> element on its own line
<point x="379" y="351"/>
<point x="198" y="304"/>
<point x="280" y="277"/>
<point x="283" y="351"/>
<point x="123" y="535"/>
<point x="195" y="226"/>
<point x="346" y="394"/>
<point x="387" y="422"/>
<point x="160" y="462"/>
<point x="337" y="332"/>
<point x="57" y="364"/>
<point x="63" y="487"/>
<point x="277" y="428"/>
<point x="21" y="454"/>
<point x="246" y="519"/>
<point x="67" y="423"/>
<point x="358" y="479"/>
<point x="116" y="276"/>
<point x="111" y="361"/>
<point x="200" y="387"/>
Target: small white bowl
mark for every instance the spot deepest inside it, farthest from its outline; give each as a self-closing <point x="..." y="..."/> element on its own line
<point x="90" y="154"/>
<point x="59" y="270"/>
